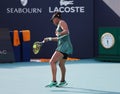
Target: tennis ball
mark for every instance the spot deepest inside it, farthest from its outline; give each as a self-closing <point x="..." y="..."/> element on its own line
<point x="34" y="46"/>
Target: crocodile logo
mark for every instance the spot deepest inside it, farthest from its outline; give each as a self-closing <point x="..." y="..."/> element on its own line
<point x="66" y="2"/>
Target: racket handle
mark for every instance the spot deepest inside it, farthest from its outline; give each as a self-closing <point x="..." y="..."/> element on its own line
<point x="43" y="41"/>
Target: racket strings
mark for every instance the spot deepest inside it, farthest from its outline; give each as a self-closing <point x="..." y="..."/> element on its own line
<point x="36" y="47"/>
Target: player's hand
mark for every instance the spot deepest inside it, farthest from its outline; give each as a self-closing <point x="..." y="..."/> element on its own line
<point x="47" y="39"/>
<point x="57" y="33"/>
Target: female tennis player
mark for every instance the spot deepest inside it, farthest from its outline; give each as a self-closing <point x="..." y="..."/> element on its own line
<point x="64" y="48"/>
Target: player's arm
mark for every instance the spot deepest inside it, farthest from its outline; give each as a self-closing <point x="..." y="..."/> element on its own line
<point x="50" y="39"/>
<point x="65" y="31"/>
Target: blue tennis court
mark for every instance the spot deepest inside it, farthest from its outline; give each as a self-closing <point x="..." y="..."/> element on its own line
<point x="85" y="76"/>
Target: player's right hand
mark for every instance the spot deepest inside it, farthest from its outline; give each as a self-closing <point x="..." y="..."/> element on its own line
<point x="47" y="39"/>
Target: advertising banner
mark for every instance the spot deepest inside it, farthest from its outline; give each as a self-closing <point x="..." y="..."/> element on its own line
<point x="6" y="50"/>
<point x="34" y="15"/>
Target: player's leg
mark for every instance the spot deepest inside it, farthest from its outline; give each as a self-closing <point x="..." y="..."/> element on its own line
<point x="54" y="59"/>
<point x="63" y="69"/>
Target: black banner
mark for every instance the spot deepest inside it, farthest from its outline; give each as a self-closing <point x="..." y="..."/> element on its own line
<point x="6" y="50"/>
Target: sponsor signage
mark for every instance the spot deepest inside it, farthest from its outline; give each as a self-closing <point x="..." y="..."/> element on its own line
<point x="67" y="6"/>
<point x="35" y="16"/>
<point x="24" y="9"/>
<point x="3" y="52"/>
<point x="6" y="50"/>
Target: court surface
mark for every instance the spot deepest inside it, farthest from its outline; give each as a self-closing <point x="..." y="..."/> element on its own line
<point x="86" y="76"/>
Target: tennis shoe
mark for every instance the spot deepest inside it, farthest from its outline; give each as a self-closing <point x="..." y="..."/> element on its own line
<point x="52" y="84"/>
<point x="62" y="84"/>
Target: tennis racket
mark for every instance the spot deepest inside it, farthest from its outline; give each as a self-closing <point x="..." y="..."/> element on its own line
<point x="37" y="46"/>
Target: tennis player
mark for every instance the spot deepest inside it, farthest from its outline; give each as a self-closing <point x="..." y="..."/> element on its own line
<point x="64" y="48"/>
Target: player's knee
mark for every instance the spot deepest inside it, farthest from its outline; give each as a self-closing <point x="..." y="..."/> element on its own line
<point x="60" y="64"/>
<point x="52" y="62"/>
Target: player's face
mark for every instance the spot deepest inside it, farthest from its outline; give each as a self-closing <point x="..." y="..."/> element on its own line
<point x="55" y="21"/>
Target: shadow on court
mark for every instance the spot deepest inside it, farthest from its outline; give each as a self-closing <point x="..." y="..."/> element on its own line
<point x="73" y="90"/>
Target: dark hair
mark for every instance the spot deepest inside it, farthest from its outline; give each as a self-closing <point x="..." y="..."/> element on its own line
<point x="56" y="15"/>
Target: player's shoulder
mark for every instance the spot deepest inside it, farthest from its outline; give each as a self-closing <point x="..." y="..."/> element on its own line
<point x="62" y="22"/>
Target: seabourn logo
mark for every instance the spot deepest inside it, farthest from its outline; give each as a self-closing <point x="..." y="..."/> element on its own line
<point x="24" y="2"/>
<point x="24" y="10"/>
<point x="67" y="6"/>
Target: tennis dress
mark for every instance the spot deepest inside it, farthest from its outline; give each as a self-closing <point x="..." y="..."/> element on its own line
<point x="64" y="44"/>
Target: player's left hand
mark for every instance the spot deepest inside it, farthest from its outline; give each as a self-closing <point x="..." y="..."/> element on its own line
<point x="57" y="33"/>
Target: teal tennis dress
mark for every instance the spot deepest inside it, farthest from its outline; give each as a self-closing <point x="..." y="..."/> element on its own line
<point x="64" y="44"/>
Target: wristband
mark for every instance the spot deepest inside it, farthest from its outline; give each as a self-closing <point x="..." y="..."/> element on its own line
<point x="49" y="39"/>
